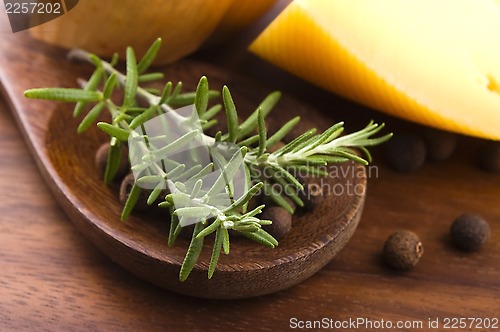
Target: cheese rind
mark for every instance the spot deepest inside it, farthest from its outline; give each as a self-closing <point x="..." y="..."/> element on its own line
<point x="432" y="62"/>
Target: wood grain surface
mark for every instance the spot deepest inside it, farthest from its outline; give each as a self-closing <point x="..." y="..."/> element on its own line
<point x="53" y="279"/>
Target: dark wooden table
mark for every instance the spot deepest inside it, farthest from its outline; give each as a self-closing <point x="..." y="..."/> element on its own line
<point x="51" y="278"/>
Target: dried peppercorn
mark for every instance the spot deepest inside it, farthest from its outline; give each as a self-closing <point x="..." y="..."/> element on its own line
<point x="469" y="232"/>
<point x="311" y="195"/>
<point x="489" y="156"/>
<point x="440" y="145"/>
<point x="405" y="152"/>
<point x="282" y="221"/>
<point x="402" y="250"/>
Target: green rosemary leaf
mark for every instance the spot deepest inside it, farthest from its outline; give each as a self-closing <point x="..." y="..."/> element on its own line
<point x="174" y="223"/>
<point x="262" y="133"/>
<point x="91" y="117"/>
<point x="366" y="153"/>
<point x="204" y="172"/>
<point x="177" y="144"/>
<point x="155" y="193"/>
<point x="132" y="199"/>
<point x="247" y="228"/>
<point x="153" y="91"/>
<point x="328" y="135"/>
<point x="231" y="114"/>
<point x="194" y="212"/>
<point x="114" y="59"/>
<point x="249" y="141"/>
<point x="228" y="172"/>
<point x="192" y="254"/>
<point x="175" y="172"/>
<point x="165" y="93"/>
<point x="91" y="85"/>
<point x="164" y="205"/>
<point x="282" y="132"/>
<point x="209" y="124"/>
<point x="109" y="86"/>
<point x="248" y="184"/>
<point x="215" y="252"/>
<point x="267" y="236"/>
<point x="257" y="237"/>
<point x="255" y="211"/>
<point x="149" y="57"/>
<point x="149" y="179"/>
<point x="114" y="131"/>
<point x="145" y="78"/>
<point x="175" y="93"/>
<point x="265" y="222"/>
<point x="201" y="97"/>
<point x="113" y="163"/>
<point x="351" y="156"/>
<point x="285" y="185"/>
<point x="189" y="173"/>
<point x="314" y="160"/>
<point x="209" y="229"/>
<point x="283" y="173"/>
<point x="211" y="112"/>
<point x="311" y="160"/>
<point x="225" y="240"/>
<point x="143" y="117"/>
<point x="277" y="198"/>
<point x="266" y="107"/>
<point x="132" y="79"/>
<point x="291" y="146"/>
<point x="196" y="189"/>
<point x="313" y="170"/>
<point x="95" y="60"/>
<point x="305" y="144"/>
<point x="246" y="197"/>
<point x="64" y="94"/>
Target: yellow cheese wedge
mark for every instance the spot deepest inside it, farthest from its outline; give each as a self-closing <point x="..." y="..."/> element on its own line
<point x="435" y="62"/>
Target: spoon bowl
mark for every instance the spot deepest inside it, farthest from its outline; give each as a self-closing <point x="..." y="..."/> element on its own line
<point x="66" y="160"/>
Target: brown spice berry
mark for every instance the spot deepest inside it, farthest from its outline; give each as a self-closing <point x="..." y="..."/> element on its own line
<point x="311" y="195"/>
<point x="489" y="156"/>
<point x="469" y="232"/>
<point x="440" y="144"/>
<point x="405" y="152"/>
<point x="402" y="250"/>
<point x="282" y="221"/>
<point x="126" y="187"/>
<point x="101" y="160"/>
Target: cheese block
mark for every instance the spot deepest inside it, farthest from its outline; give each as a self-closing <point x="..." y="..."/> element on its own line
<point x="435" y="62"/>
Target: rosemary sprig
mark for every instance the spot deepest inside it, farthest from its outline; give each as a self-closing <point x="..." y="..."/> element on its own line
<point x="211" y="205"/>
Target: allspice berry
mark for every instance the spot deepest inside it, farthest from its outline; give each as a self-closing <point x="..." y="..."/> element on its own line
<point x="489" y="156"/>
<point x="405" y="152"/>
<point x="282" y="221"/>
<point x="469" y="232"/>
<point x="101" y="160"/>
<point x="311" y="195"/>
<point x="440" y="144"/>
<point x="125" y="188"/>
<point x="402" y="250"/>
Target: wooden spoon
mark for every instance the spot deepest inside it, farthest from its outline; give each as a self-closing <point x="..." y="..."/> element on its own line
<point x="66" y="160"/>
